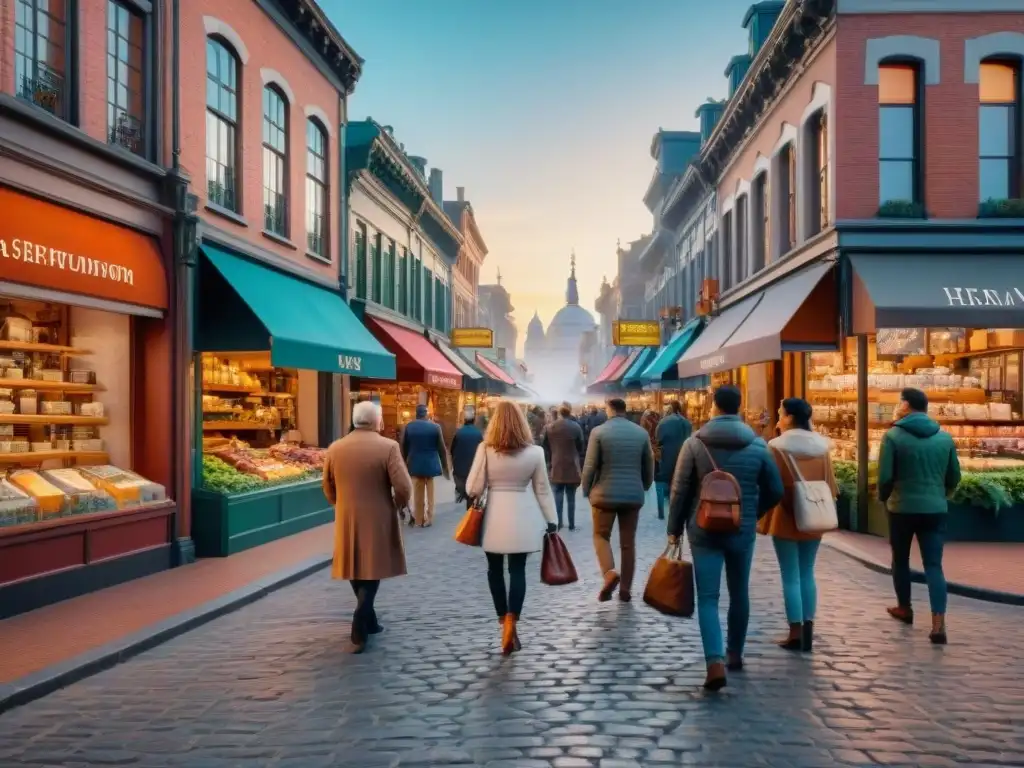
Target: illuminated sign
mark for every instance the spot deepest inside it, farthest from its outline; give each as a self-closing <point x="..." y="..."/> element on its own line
<point x="636" y="333"/>
<point x="472" y="337"/>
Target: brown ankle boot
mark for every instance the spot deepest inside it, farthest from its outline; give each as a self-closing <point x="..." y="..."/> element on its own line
<point x="793" y="641"/>
<point x="715" y="680"/>
<point x="508" y="634"/>
<point x="904" y="614"/>
<point x="938" y="633"/>
<point x="808" y="636"/>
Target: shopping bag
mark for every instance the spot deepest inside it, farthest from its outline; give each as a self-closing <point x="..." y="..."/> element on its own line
<point x="670" y="586"/>
<point x="470" y="530"/>
<point x="556" y="566"/>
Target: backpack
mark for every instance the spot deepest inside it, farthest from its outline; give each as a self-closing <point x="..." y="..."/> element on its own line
<point x="720" y="500"/>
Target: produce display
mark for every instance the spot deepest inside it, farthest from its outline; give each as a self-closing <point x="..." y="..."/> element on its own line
<point x="233" y="466"/>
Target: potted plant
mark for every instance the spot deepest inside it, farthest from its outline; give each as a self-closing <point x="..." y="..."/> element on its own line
<point x="901" y="209"/>
<point x="1005" y="208"/>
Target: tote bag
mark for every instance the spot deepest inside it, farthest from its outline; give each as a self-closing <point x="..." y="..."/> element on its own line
<point x="814" y="508"/>
<point x="670" y="588"/>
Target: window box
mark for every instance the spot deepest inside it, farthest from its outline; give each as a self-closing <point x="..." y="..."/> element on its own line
<point x="901" y="209"/>
<point x="1007" y="208"/>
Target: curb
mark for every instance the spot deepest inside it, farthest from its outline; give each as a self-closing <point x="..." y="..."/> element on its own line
<point x="954" y="588"/>
<point x="45" y="681"/>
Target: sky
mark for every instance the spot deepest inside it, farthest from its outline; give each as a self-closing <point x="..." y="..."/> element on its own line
<point x="544" y="110"/>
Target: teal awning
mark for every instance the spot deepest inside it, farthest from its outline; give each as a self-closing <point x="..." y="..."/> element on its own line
<point x="632" y="377"/>
<point x="671" y="352"/>
<point x="303" y="325"/>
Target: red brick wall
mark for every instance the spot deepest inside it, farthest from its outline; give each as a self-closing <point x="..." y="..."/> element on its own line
<point x="950" y="113"/>
<point x="6" y="46"/>
<point x="268" y="47"/>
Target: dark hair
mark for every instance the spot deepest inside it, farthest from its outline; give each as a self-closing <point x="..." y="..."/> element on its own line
<point x="565" y="411"/>
<point x="675" y="407"/>
<point x="915" y="398"/>
<point x="617" y="404"/>
<point x="800" y="410"/>
<point x="469" y="420"/>
<point x="728" y="400"/>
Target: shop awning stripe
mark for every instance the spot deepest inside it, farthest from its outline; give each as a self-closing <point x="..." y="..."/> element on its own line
<point x="644" y="359"/>
<point x="493" y="370"/>
<point x="671" y="352"/>
<point x="416" y="347"/>
<point x="464" y="366"/>
<point x="608" y="370"/>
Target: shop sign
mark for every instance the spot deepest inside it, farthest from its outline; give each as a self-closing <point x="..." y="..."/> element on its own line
<point x="48" y="246"/>
<point x="713" y="362"/>
<point x="446" y="380"/>
<point x="900" y="342"/>
<point x="636" y="333"/>
<point x="983" y="297"/>
<point x="472" y="337"/>
<point x="350" y="363"/>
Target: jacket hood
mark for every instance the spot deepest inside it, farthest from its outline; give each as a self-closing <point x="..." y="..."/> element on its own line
<point x="918" y="424"/>
<point x="802" y="443"/>
<point x="728" y="432"/>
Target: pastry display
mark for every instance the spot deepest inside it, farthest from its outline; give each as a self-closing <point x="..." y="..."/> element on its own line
<point x="234" y="466"/>
<point x="16" y="506"/>
<point x="248" y="395"/>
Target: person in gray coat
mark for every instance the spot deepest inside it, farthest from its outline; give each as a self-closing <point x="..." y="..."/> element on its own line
<point x="727" y="444"/>
<point x="617" y="474"/>
<point x="672" y="431"/>
<point x="563" y="444"/>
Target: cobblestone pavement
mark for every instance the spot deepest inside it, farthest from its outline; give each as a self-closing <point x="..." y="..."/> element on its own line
<point x="605" y="685"/>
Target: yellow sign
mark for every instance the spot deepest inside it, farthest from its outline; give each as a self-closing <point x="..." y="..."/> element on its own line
<point x="636" y="333"/>
<point x="472" y="337"/>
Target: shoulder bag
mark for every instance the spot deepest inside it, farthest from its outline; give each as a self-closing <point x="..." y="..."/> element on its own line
<point x="470" y="530"/>
<point x="814" y="509"/>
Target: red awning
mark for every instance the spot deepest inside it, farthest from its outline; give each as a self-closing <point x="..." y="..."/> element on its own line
<point x="624" y="366"/>
<point x="493" y="370"/>
<point x="608" y="370"/>
<point x="417" y="359"/>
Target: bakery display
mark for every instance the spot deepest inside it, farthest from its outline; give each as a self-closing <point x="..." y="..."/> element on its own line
<point x="234" y="466"/>
<point x="244" y="393"/>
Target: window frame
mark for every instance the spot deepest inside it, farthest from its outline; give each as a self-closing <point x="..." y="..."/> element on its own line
<point x="362" y="244"/>
<point x="917" y="127"/>
<point x="821" y="139"/>
<point x="282" y="156"/>
<point x="235" y="125"/>
<point x="71" y="113"/>
<point x="148" y="122"/>
<point x="322" y="188"/>
<point x="1015" y="160"/>
<point x="792" y="236"/>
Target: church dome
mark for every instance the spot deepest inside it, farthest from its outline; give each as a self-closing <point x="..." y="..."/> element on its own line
<point x="571" y="321"/>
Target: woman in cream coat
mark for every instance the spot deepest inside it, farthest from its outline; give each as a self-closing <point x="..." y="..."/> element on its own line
<point x="513" y="471"/>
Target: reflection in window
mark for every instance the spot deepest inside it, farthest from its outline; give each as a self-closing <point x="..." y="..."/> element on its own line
<point x="898" y="126"/>
<point x="787" y="175"/>
<point x="762" y="240"/>
<point x="125" y="78"/>
<point x="316" y="190"/>
<point x="821" y="166"/>
<point x="221" y="125"/>
<point x="275" y="162"/>
<point x="742" y="222"/>
<point x="999" y="166"/>
<point x="41" y="48"/>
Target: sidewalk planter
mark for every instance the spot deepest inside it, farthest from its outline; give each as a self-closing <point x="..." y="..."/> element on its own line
<point x="223" y="525"/>
<point x="974" y="524"/>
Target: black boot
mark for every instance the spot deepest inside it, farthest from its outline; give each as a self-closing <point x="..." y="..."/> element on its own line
<point x="807" y="637"/>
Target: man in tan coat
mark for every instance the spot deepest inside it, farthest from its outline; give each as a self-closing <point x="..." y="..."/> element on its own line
<point x="367" y="482"/>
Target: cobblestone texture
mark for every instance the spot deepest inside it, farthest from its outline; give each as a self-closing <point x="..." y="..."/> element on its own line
<point x="603" y="685"/>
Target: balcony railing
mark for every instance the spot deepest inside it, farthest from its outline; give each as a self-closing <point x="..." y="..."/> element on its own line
<point x="45" y="90"/>
<point x="275" y="216"/>
<point x="222" y="193"/>
<point x="127" y="132"/>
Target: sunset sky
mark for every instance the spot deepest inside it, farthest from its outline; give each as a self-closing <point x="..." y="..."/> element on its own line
<point x="544" y="111"/>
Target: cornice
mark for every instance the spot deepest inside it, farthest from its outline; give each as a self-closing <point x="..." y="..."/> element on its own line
<point x="478" y="238"/>
<point x="327" y="41"/>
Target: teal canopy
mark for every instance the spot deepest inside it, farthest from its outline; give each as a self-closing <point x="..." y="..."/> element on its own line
<point x="669" y="355"/>
<point x="632" y="376"/>
<point x="302" y="324"/>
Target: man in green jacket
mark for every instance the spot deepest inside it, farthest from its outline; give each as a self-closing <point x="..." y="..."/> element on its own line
<point x="917" y="470"/>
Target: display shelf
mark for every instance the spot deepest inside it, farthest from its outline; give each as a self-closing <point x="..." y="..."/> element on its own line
<point x="210" y="387"/>
<point x="45" y="419"/>
<point x="892" y="396"/>
<point x="941" y="422"/>
<point x="49" y="349"/>
<point x="48" y="386"/>
<point x="37" y="457"/>
<point x="226" y="425"/>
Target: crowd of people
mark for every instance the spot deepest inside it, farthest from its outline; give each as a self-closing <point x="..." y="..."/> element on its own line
<point x="531" y="475"/>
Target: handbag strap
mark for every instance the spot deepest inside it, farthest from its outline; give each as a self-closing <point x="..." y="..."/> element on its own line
<point x="711" y="458"/>
<point x="793" y="468"/>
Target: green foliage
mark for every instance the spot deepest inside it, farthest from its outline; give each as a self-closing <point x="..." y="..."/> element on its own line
<point x="221" y="477"/>
<point x="846" y="478"/>
<point x="901" y="209"/>
<point x="985" y="490"/>
<point x="1006" y="208"/>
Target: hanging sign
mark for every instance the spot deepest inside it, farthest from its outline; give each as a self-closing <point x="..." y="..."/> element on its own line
<point x="472" y="337"/>
<point x="636" y="333"/>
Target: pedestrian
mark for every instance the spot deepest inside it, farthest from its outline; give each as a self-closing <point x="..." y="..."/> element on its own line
<point x="649" y="420"/>
<point x="511" y="468"/>
<point x="563" y="441"/>
<point x="917" y="470"/>
<point x="727" y="445"/>
<point x="464" y="444"/>
<point x="671" y="433"/>
<point x="424" y="451"/>
<point x="797" y="451"/>
<point x="617" y="474"/>
<point x="366" y="481"/>
<point x="537" y="421"/>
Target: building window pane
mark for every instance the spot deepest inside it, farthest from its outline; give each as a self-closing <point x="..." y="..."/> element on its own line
<point x="999" y="163"/>
<point x="790" y="166"/>
<point x="897" y="84"/>
<point x="125" y="78"/>
<point x="822" y="165"/>
<point x="896" y="180"/>
<point x="898" y="126"/>
<point x="361" y="261"/>
<point x="998" y="82"/>
<point x="375" y="266"/>
<point x="896" y="132"/>
<point x="275" y="162"/>
<point x="41" y="46"/>
<point x="994" y="179"/>
<point x="316" y="190"/>
<point x="221" y="125"/>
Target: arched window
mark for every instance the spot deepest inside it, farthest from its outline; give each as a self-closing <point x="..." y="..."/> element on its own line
<point x="317" y="184"/>
<point x="275" y="162"/>
<point x="999" y="126"/>
<point x="221" y="125"/>
<point x="899" y="125"/>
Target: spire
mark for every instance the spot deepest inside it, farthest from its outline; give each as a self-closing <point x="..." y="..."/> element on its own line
<point x="499" y="275"/>
<point x="572" y="294"/>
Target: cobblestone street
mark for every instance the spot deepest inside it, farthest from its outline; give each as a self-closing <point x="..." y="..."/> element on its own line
<point x="606" y="685"/>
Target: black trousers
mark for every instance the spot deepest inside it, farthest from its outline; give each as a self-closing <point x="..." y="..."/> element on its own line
<point x="364" y="618"/>
<point x="512" y="600"/>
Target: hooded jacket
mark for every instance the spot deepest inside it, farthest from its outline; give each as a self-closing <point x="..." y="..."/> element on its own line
<point x="738" y="450"/>
<point x="672" y="432"/>
<point x="917" y="466"/>
<point x="809" y="451"/>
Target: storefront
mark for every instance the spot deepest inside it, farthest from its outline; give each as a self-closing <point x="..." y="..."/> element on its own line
<point x="631" y="387"/>
<point x="269" y="345"/>
<point x="607" y="382"/>
<point x="86" y="404"/>
<point x="661" y="379"/>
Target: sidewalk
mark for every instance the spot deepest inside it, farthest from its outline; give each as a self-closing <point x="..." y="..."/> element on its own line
<point x="983" y="571"/>
<point x="51" y="647"/>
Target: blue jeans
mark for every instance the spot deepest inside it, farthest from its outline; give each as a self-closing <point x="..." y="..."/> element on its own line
<point x="930" y="531"/>
<point x="565" y="492"/>
<point x="735" y="556"/>
<point x="796" y="565"/>
<point x="662" y="492"/>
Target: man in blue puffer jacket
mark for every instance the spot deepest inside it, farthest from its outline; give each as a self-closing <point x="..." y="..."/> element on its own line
<point x="426" y="456"/>
<point x="725" y="443"/>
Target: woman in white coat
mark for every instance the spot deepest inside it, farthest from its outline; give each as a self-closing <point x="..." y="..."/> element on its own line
<point x="513" y="471"/>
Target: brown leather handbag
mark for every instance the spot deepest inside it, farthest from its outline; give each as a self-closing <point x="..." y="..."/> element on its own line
<point x="720" y="503"/>
<point x="556" y="566"/>
<point x="669" y="588"/>
<point x="470" y="530"/>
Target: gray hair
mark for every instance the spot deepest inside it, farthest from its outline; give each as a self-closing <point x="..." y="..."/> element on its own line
<point x="367" y="415"/>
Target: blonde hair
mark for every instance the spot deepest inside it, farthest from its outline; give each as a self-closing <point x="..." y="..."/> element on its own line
<point x="508" y="430"/>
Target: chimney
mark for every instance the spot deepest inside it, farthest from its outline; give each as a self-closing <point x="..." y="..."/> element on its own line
<point x="760" y="20"/>
<point x="420" y="164"/>
<point x="460" y="193"/>
<point x="709" y="113"/>
<point x="736" y="71"/>
<point x="436" y="185"/>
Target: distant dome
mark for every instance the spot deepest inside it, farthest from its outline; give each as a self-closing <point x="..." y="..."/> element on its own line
<point x="570" y="322"/>
<point x="536" y="327"/>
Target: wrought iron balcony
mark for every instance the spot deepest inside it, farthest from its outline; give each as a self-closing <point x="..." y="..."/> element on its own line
<point x="275" y="215"/>
<point x="128" y="132"/>
<point x="222" y="193"/>
<point x="45" y="90"/>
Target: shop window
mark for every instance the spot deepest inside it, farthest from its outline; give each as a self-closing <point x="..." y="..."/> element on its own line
<point x="403" y="283"/>
<point x="317" y="198"/>
<point x="221" y="125"/>
<point x="742" y="230"/>
<point x="42" y="54"/>
<point x="66" y="415"/>
<point x="898" y="133"/>
<point x="376" y="278"/>
<point x="275" y="162"/>
<point x="125" y="78"/>
<point x="999" y="130"/>
<point x="361" y="261"/>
